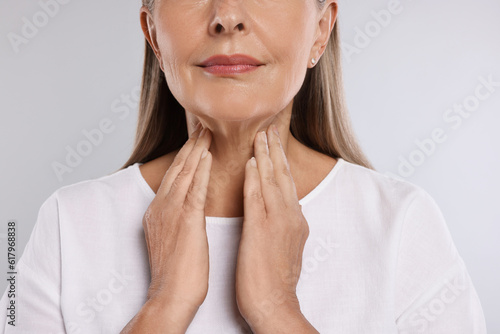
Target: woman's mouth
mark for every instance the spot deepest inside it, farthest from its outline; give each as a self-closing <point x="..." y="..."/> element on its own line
<point x="222" y="64"/>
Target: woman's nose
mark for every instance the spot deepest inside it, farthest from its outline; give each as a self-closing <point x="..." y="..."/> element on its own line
<point x="228" y="17"/>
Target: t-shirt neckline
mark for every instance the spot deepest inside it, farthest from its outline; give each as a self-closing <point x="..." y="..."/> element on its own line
<point x="304" y="200"/>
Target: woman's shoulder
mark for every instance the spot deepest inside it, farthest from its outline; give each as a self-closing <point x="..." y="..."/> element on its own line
<point x="102" y="189"/>
<point x="376" y="185"/>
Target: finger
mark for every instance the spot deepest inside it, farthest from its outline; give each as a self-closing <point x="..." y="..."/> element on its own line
<point x="181" y="184"/>
<point x="271" y="192"/>
<point x="253" y="203"/>
<point x="145" y="221"/>
<point x="197" y="193"/>
<point x="178" y="163"/>
<point x="281" y="168"/>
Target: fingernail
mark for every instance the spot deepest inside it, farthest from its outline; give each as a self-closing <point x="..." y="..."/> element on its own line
<point x="253" y="162"/>
<point x="196" y="128"/>
<point x="202" y="132"/>
<point x="263" y="136"/>
<point x="275" y="130"/>
<point x="204" y="153"/>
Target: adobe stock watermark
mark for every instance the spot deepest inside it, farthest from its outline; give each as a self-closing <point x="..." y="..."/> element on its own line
<point x="363" y="37"/>
<point x="87" y="310"/>
<point x="453" y="117"/>
<point x="420" y="320"/>
<point x="32" y="26"/>
<point x="92" y="138"/>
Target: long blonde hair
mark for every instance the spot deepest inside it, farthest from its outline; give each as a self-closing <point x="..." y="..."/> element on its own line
<point x="319" y="119"/>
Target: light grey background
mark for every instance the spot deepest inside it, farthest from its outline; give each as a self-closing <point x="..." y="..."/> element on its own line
<point x="78" y="69"/>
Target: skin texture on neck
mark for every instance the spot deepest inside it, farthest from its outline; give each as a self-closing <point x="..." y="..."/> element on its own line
<point x="231" y="147"/>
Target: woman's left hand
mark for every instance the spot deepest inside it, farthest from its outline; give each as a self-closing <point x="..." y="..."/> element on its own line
<point x="273" y="236"/>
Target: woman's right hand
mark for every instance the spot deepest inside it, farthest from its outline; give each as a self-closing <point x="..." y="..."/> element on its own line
<point x="175" y="228"/>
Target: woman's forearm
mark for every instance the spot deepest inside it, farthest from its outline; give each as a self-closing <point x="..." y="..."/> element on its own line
<point x="159" y="316"/>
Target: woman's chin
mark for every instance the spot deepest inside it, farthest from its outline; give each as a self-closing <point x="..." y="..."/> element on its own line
<point x="232" y="111"/>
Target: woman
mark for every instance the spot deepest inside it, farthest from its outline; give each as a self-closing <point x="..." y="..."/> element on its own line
<point x="268" y="218"/>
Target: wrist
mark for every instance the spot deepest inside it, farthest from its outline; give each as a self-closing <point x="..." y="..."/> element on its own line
<point x="268" y="316"/>
<point x="285" y="318"/>
<point x="175" y="315"/>
<point x="160" y="316"/>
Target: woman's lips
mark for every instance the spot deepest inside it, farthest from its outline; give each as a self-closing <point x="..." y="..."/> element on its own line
<point x="230" y="69"/>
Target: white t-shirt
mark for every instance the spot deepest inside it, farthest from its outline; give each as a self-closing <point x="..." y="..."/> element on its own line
<point x="379" y="259"/>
